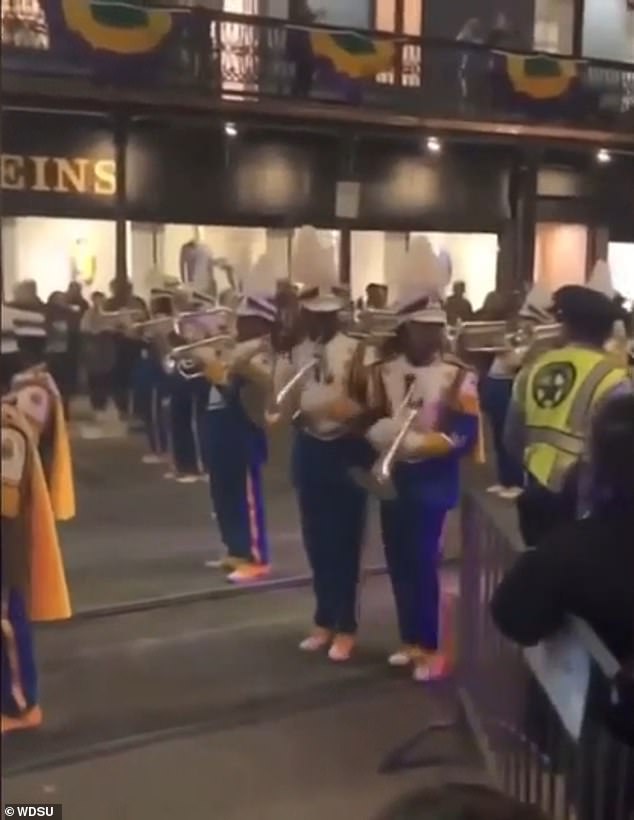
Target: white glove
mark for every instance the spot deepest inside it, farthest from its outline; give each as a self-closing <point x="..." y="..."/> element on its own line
<point x="381" y="434"/>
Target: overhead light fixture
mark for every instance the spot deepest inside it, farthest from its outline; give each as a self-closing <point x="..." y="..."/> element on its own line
<point x="434" y="145"/>
<point x="603" y="155"/>
<point x="231" y="129"/>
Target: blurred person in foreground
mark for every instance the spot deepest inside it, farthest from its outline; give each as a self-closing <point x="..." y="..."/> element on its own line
<point x="585" y="568"/>
<point x="459" y="802"/>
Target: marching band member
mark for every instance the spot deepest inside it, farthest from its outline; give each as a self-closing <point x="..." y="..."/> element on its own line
<point x="235" y="431"/>
<point x="33" y="580"/>
<point x="187" y="398"/>
<point x="37" y="398"/>
<point x="150" y="379"/>
<point x="332" y="507"/>
<point x="430" y="419"/>
<point x="554" y="399"/>
<point x="498" y="389"/>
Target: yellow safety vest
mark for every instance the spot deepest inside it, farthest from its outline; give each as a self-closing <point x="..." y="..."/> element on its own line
<point x="558" y="393"/>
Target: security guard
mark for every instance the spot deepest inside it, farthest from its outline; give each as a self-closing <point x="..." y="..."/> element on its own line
<point x="33" y="579"/>
<point x="552" y="407"/>
<point x="429" y="420"/>
<point x="326" y="445"/>
<point x="235" y="431"/>
<point x="497" y="390"/>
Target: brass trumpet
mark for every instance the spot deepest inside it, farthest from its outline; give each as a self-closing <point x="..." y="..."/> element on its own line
<point x="174" y="359"/>
<point x="378" y="480"/>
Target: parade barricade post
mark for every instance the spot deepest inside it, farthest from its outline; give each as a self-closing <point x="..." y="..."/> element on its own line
<point x="539" y="716"/>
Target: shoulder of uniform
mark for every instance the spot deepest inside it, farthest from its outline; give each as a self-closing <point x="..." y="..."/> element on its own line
<point x="14" y="453"/>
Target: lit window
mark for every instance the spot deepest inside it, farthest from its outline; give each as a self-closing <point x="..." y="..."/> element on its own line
<point x="24" y="24"/>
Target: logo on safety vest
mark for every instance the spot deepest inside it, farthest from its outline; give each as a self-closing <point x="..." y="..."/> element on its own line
<point x="553" y="383"/>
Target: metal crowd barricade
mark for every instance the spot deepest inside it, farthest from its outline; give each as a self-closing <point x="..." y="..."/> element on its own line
<point x="546" y="742"/>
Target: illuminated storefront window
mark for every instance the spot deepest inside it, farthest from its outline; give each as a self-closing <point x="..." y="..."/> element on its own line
<point x="621" y="260"/>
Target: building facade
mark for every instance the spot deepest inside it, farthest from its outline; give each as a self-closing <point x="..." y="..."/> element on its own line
<point x="106" y="173"/>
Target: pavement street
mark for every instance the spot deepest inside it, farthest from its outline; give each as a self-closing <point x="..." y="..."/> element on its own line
<point x="139" y="537"/>
<point x="209" y="710"/>
<point x="206" y="708"/>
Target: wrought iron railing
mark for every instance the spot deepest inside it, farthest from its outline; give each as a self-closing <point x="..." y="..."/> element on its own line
<point x="211" y="55"/>
<point x="533" y="748"/>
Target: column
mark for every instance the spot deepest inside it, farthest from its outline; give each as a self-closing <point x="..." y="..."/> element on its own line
<point x="121" y="139"/>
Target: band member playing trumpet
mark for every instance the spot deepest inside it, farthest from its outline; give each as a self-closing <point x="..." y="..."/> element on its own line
<point x="235" y="432"/>
<point x="332" y="507"/>
<point x="428" y="403"/>
<point x="33" y="580"/>
<point x="187" y="402"/>
<point x="151" y="383"/>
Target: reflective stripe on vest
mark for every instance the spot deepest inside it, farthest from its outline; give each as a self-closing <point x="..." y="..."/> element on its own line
<point x="556" y="436"/>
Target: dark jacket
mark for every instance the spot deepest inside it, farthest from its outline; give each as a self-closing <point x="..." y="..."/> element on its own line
<point x="586" y="569"/>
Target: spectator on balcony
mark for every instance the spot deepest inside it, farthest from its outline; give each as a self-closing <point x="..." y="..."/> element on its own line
<point x="460" y="802"/>
<point x="298" y="48"/>
<point x="470" y="59"/>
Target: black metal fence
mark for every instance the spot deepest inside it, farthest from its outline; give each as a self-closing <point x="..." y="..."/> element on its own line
<point x="545" y="737"/>
<point x="243" y="56"/>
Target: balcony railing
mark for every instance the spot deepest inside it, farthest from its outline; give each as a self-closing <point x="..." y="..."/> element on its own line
<point x="208" y="56"/>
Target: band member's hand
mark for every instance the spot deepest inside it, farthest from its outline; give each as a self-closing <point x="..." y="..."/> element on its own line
<point x="343" y="409"/>
<point x="216" y="371"/>
<point x="429" y="445"/>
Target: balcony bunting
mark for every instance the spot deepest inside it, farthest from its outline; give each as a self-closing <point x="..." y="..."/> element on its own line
<point x="537" y="84"/>
<point x="345" y="58"/>
<point x="112" y="38"/>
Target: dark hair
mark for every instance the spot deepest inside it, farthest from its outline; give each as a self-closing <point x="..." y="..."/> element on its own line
<point x="613" y="449"/>
<point x="460" y="802"/>
<point x="592" y="329"/>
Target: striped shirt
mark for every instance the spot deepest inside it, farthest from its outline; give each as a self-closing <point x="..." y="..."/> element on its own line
<point x="20" y="324"/>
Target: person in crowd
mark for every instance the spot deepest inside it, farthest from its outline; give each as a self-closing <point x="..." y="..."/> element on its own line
<point x="326" y="446"/>
<point x="128" y="349"/>
<point x="458" y="801"/>
<point x="59" y="329"/>
<point x="75" y="298"/>
<point x="235" y="428"/>
<point x="497" y="390"/>
<point x="376" y="296"/>
<point x="33" y="578"/>
<point x="438" y="395"/>
<point x="457" y="306"/>
<point x="495" y="308"/>
<point x="23" y="334"/>
<point x="77" y="306"/>
<point x="553" y="401"/>
<point x="98" y="354"/>
<point x="32" y="345"/>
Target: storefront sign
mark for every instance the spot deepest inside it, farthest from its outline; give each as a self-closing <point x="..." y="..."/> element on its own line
<point x="61" y="175"/>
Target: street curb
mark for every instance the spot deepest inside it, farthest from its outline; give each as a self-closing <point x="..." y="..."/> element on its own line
<point x="216" y="594"/>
